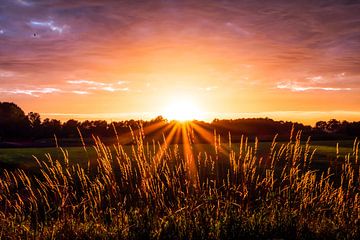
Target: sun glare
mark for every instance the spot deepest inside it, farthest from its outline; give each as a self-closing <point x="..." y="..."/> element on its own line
<point x="182" y="109"/>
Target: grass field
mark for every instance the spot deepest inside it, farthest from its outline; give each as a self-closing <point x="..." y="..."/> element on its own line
<point x="155" y="191"/>
<point x="23" y="157"/>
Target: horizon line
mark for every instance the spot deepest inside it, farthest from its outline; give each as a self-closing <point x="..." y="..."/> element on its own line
<point x="305" y="117"/>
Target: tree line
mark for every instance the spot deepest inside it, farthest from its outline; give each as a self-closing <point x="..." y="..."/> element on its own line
<point x="15" y="125"/>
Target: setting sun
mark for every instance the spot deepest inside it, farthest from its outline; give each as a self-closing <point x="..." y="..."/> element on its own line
<point x="182" y="109"/>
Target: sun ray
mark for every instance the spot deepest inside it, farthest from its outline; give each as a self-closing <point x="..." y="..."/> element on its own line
<point x="188" y="154"/>
<point x="205" y="134"/>
<point x="167" y="141"/>
<point x="157" y="127"/>
<point x="210" y="138"/>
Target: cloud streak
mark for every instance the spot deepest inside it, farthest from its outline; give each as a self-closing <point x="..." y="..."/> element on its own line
<point x="48" y="24"/>
<point x="81" y="92"/>
<point x="298" y="87"/>
<point x="31" y="92"/>
<point x="87" y="82"/>
<point x="93" y="85"/>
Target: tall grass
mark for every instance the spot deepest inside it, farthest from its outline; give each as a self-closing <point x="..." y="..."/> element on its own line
<point x="158" y="192"/>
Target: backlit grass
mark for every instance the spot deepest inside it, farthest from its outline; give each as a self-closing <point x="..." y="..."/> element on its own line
<point x="151" y="190"/>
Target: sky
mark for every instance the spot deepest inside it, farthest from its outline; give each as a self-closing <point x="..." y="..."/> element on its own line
<point x="288" y="60"/>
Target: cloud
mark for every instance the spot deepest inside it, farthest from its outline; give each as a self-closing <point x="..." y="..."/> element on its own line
<point x="36" y="92"/>
<point x="6" y="74"/>
<point x="237" y="29"/>
<point x="121" y="82"/>
<point x="298" y="87"/>
<point x="31" y="92"/>
<point x="80" y="92"/>
<point x="316" y="79"/>
<point x="112" y="89"/>
<point x="24" y="3"/>
<point x="93" y="85"/>
<point x="87" y="82"/>
<point x="48" y="24"/>
<point x="108" y="88"/>
<point x="340" y="75"/>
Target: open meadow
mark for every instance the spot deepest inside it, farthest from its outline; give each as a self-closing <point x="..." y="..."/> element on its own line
<point x="24" y="157"/>
<point x="205" y="191"/>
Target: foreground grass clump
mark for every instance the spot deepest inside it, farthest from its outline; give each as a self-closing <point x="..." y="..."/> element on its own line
<point x="169" y="192"/>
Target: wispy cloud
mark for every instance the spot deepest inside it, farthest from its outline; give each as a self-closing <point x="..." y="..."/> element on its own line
<point x="121" y="82"/>
<point x="49" y="24"/>
<point x="298" y="87"/>
<point x="23" y="3"/>
<point x="111" y="89"/>
<point x="93" y="85"/>
<point x="76" y="87"/>
<point x="31" y="92"/>
<point x="6" y="74"/>
<point x="88" y="82"/>
<point x="80" y="92"/>
<point x="340" y="75"/>
<point x="316" y="79"/>
<point x="237" y="29"/>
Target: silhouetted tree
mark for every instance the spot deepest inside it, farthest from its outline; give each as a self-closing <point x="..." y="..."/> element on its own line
<point x="333" y="125"/>
<point x="321" y="125"/>
<point x="100" y="128"/>
<point x="13" y="122"/>
<point x="35" y="125"/>
<point x="34" y="119"/>
<point x="69" y="128"/>
<point x="50" y="127"/>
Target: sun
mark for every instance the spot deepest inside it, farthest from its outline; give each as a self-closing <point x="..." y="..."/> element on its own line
<point x="182" y="109"/>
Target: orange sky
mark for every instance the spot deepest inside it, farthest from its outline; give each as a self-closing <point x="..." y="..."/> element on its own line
<point x="117" y="60"/>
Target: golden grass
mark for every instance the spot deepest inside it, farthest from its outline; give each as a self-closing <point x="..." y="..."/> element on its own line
<point x="160" y="192"/>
